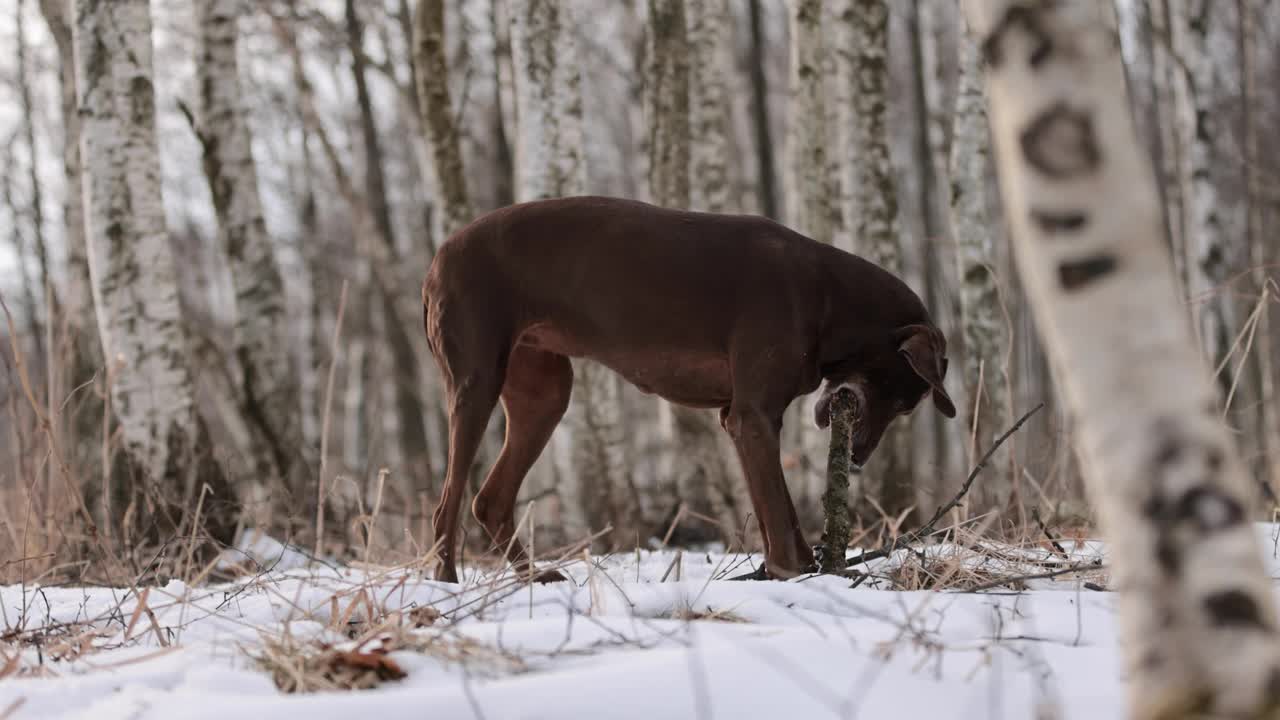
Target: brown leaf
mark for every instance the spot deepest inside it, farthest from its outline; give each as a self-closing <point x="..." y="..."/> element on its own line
<point x="423" y="616"/>
<point x="377" y="661"/>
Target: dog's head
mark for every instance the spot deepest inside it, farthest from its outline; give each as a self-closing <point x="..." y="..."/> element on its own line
<point x="888" y="383"/>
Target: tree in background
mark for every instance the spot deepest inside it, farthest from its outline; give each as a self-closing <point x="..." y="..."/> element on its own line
<point x="875" y="230"/>
<point x="135" y="294"/>
<point x="1199" y="36"/>
<point x="1198" y="620"/>
<point x="77" y="331"/>
<point x="265" y="384"/>
<point x="986" y="337"/>
<point x="701" y="472"/>
<point x="431" y="71"/>
<point x="810" y="196"/>
<point x="550" y="163"/>
<point x="710" y="190"/>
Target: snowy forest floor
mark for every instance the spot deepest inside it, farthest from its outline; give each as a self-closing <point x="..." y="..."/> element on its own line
<point x="642" y="635"/>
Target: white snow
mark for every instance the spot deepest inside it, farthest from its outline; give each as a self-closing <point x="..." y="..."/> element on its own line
<point x="603" y="646"/>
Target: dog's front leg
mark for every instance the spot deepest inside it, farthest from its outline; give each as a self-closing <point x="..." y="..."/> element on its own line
<point x="755" y="434"/>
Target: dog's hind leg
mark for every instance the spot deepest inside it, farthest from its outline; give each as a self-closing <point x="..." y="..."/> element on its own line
<point x="470" y="354"/>
<point x="535" y="396"/>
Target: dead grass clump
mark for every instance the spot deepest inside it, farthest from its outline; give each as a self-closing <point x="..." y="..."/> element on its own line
<point x="689" y="614"/>
<point x="312" y="667"/>
<point x="61" y="642"/>
<point x="981" y="565"/>
<point x="299" y="666"/>
<point x="932" y="573"/>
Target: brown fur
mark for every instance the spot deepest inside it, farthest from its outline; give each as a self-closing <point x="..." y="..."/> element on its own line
<point x="734" y="312"/>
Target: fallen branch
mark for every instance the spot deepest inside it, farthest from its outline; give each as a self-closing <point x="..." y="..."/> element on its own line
<point x="835" y="501"/>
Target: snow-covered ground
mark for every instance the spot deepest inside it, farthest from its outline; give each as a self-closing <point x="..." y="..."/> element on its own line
<point x="616" y="642"/>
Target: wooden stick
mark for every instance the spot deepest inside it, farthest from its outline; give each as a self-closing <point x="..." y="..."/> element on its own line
<point x="835" y="500"/>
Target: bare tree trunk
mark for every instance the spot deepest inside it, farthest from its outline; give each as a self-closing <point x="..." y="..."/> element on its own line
<point x="760" y="114"/>
<point x="876" y="224"/>
<point x="810" y="196"/>
<point x="22" y="251"/>
<point x="550" y="163"/>
<point x="133" y="279"/>
<point x="504" y="193"/>
<point x="1166" y="82"/>
<point x="1197" y="615"/>
<point x="710" y="186"/>
<point x="934" y="105"/>
<point x="38" y="240"/>
<point x="699" y="467"/>
<point x="77" y="332"/>
<point x="667" y="103"/>
<point x="1196" y="24"/>
<point x="1260" y="252"/>
<point x="710" y="190"/>
<point x="986" y="337"/>
<point x="412" y="440"/>
<point x="436" y="109"/>
<point x="267" y="388"/>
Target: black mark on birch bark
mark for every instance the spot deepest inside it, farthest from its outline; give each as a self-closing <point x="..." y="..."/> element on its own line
<point x="1060" y="143"/>
<point x="1076" y="274"/>
<point x="1209" y="509"/>
<point x="1057" y="222"/>
<point x="1026" y="18"/>
<point x="1235" y="608"/>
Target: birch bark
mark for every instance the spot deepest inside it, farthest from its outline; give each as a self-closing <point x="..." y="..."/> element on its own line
<point x="436" y="108"/>
<point x="1197" y="27"/>
<point x="875" y="225"/>
<point x="133" y="278"/>
<point x="986" y="337"/>
<point x="1197" y="615"/>
<point x="268" y="391"/>
<point x="550" y="163"/>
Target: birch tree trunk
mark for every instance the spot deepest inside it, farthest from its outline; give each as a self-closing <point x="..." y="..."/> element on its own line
<point x="1195" y="25"/>
<point x="768" y="192"/>
<point x="986" y="337"/>
<point x="667" y="103"/>
<point x="1197" y="615"/>
<point x="699" y="467"/>
<point x="875" y="225"/>
<point x="436" y="109"/>
<point x="79" y="330"/>
<point x="1260" y="253"/>
<point x="709" y="40"/>
<point x="267" y="388"/>
<point x="710" y="191"/>
<point x="39" y="241"/>
<point x="132" y="270"/>
<point x="409" y="440"/>
<point x="503" y="160"/>
<point x="1166" y="78"/>
<point x="810" y="206"/>
<point x="550" y="163"/>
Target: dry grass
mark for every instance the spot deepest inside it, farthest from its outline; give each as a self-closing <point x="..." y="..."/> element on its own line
<point x="967" y="562"/>
<point x="299" y="666"/>
<point x="689" y="614"/>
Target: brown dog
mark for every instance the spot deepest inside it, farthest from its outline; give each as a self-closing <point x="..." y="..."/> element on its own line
<point x="732" y="312"/>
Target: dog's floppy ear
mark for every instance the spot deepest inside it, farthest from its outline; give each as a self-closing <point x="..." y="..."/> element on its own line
<point x="925" y="351"/>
